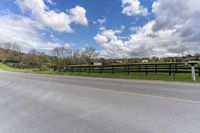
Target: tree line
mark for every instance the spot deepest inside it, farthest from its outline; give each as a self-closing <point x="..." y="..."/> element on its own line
<point x="59" y="56"/>
<point x="63" y="56"/>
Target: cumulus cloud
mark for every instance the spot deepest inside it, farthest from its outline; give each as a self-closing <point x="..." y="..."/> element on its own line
<point x="111" y="42"/>
<point x="25" y="32"/>
<point x="51" y="2"/>
<point x="101" y="21"/>
<point x="133" y="7"/>
<point x="184" y="18"/>
<point x="58" y="21"/>
<point x="174" y="29"/>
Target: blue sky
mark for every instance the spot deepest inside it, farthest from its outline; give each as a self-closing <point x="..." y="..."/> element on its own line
<point x="117" y="28"/>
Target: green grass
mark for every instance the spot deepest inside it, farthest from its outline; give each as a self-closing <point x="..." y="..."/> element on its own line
<point x="8" y="68"/>
<point x="184" y="77"/>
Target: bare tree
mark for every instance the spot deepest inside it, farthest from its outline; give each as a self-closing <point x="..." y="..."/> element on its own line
<point x="34" y="52"/>
<point x="1" y="45"/>
<point x="61" y="55"/>
<point x="35" y="58"/>
<point x="62" y="52"/>
<point x="89" y="53"/>
<point x="3" y="55"/>
<point x="12" y="50"/>
<point x="31" y="58"/>
<point x="183" y="51"/>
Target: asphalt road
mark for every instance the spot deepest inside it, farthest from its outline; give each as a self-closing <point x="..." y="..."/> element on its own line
<point x="55" y="104"/>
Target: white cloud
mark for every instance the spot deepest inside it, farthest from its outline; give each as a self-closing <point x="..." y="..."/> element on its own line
<point x="134" y="28"/>
<point x="175" y="28"/>
<point x="102" y="20"/>
<point x="133" y="7"/>
<point x="101" y="39"/>
<point x="58" y="21"/>
<point x="24" y="31"/>
<point x="77" y="15"/>
<point x="51" y="2"/>
<point x="111" y="42"/>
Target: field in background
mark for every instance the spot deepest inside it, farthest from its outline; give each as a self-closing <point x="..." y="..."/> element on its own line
<point x="185" y="77"/>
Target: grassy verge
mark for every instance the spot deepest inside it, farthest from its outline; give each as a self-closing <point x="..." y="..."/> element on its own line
<point x="151" y="76"/>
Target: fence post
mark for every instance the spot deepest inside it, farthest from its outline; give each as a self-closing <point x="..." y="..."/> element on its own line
<point x="59" y="68"/>
<point x="199" y="69"/>
<point x="113" y="69"/>
<point x="174" y="72"/>
<point x="80" y="69"/>
<point x="146" y="69"/>
<point x="54" y="68"/>
<point x="170" y="67"/>
<point x="139" y="68"/>
<point x="176" y="67"/>
<point x="65" y="69"/>
<point x="128" y="69"/>
<point x="156" y="68"/>
<point x="89" y="69"/>
<point x="100" y="69"/>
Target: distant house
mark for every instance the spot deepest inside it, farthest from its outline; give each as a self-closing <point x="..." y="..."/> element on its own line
<point x="96" y="63"/>
<point x="186" y="59"/>
<point x="119" y="61"/>
<point x="193" y="58"/>
<point x="145" y="61"/>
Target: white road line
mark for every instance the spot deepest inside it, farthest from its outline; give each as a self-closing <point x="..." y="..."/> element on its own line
<point x="138" y="94"/>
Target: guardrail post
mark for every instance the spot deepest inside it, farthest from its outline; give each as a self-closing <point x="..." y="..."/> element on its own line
<point x="193" y="72"/>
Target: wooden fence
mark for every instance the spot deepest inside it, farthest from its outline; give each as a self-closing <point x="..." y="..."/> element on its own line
<point x="170" y="68"/>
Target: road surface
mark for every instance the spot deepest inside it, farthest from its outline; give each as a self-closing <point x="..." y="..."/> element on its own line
<point x="32" y="103"/>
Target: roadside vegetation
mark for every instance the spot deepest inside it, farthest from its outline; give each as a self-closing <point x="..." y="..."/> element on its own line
<point x="12" y="59"/>
<point x="151" y="76"/>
